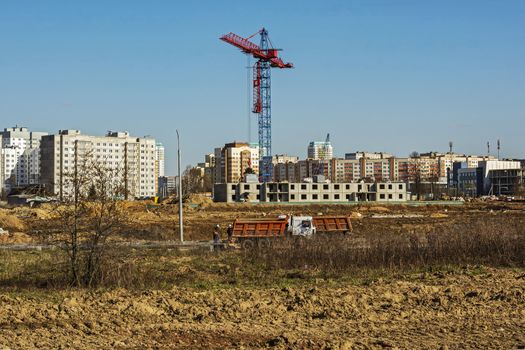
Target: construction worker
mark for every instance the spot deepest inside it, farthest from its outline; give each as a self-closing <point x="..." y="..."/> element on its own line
<point x="216" y="237"/>
<point x="229" y="231"/>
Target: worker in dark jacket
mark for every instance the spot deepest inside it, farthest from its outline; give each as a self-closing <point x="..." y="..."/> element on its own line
<point x="229" y="231"/>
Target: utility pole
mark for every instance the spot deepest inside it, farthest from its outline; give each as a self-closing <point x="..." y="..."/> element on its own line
<point x="498" y="148"/>
<point x="181" y="228"/>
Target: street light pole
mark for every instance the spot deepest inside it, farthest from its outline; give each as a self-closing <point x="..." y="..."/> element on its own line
<point x="181" y="228"/>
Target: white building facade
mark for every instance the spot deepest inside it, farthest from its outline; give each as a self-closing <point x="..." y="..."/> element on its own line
<point x="159" y="159"/>
<point x="19" y="157"/>
<point x="320" y="150"/>
<point x="133" y="157"/>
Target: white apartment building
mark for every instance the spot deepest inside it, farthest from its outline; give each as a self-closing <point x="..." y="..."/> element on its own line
<point x="320" y="150"/>
<point x="159" y="160"/>
<point x="133" y="157"/>
<point x="19" y="157"/>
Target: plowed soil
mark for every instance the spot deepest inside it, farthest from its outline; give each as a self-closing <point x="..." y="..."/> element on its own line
<point x="468" y="310"/>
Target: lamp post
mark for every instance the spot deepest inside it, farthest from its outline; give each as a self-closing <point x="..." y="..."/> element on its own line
<point x="181" y="228"/>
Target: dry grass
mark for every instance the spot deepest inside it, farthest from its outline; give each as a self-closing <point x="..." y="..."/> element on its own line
<point x="498" y="243"/>
<point x="495" y="242"/>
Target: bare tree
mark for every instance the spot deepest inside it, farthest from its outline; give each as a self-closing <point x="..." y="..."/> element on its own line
<point x="91" y="211"/>
<point x="415" y="177"/>
<point x="193" y="180"/>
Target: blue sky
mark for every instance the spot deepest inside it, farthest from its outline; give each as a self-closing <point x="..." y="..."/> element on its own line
<point x="378" y="75"/>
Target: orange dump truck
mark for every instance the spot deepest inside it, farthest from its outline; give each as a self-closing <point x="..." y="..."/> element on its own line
<point x="251" y="231"/>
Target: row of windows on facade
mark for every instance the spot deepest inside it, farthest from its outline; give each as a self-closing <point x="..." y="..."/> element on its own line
<point x="336" y="196"/>
<point x="347" y="186"/>
<point x="105" y="161"/>
<point x="107" y="144"/>
<point x="67" y="167"/>
<point x="18" y="166"/>
<point x="327" y="186"/>
<point x="21" y="156"/>
<point x="105" y="156"/>
<point x="105" y="150"/>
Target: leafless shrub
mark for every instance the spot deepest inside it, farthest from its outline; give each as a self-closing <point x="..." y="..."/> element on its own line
<point x="89" y="213"/>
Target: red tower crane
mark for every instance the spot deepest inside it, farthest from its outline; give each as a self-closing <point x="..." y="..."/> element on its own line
<point x="267" y="58"/>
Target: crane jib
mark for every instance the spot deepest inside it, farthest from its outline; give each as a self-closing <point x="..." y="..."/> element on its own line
<point x="267" y="58"/>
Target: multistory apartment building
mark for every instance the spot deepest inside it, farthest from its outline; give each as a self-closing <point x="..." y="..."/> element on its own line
<point x="373" y="167"/>
<point x="282" y="167"/>
<point x="133" y="157"/>
<point x="367" y="155"/>
<point x="320" y="150"/>
<point x="321" y="167"/>
<point x="232" y="160"/>
<point x="377" y="166"/>
<point x="442" y="163"/>
<point x="284" y="158"/>
<point x="404" y="169"/>
<point x="159" y="160"/>
<point x="19" y="157"/>
<point x="310" y="192"/>
<point x="286" y="172"/>
<point x="274" y="170"/>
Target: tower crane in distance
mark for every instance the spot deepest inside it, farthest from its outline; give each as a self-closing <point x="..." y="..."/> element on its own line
<point x="267" y="58"/>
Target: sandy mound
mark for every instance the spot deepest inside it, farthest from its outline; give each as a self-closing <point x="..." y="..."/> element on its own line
<point x="10" y="222"/>
<point x="15" y="238"/>
<point x="378" y="209"/>
<point x="199" y="199"/>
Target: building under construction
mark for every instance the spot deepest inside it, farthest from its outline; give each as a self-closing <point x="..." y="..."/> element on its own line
<point x="310" y="192"/>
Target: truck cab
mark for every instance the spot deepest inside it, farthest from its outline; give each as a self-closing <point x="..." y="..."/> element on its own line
<point x="301" y="226"/>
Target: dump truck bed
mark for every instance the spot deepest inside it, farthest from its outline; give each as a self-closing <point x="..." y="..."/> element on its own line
<point x="259" y="228"/>
<point x="329" y="224"/>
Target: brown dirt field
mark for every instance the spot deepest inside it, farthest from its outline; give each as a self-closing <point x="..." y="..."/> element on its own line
<point x="459" y="308"/>
<point x="454" y="310"/>
<point x="160" y="222"/>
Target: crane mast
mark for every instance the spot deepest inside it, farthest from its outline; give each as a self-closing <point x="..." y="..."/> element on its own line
<point x="267" y="58"/>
